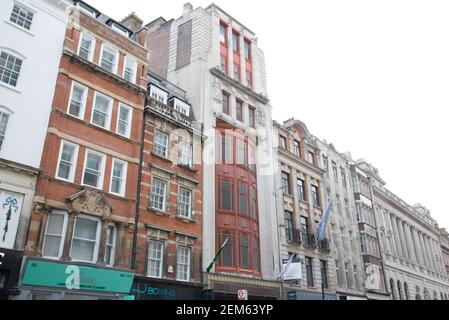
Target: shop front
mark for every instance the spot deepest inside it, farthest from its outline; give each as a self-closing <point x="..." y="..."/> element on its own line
<point x="156" y="289"/>
<point x="223" y="287"/>
<point x="10" y="261"/>
<point x="43" y="279"/>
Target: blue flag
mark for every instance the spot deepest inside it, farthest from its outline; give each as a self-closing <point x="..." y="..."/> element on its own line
<point x="324" y="221"/>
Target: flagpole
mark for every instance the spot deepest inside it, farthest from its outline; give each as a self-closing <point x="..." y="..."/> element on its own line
<point x="209" y="268"/>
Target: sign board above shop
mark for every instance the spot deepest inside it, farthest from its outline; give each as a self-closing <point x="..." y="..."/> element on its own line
<point x="75" y="277"/>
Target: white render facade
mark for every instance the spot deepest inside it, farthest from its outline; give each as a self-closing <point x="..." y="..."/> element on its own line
<point x="194" y="64"/>
<point x="32" y="34"/>
<point x="343" y="226"/>
<point x="410" y="244"/>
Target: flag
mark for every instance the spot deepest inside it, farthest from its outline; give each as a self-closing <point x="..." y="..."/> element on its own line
<point x="286" y="267"/>
<point x="217" y="255"/>
<point x="324" y="221"/>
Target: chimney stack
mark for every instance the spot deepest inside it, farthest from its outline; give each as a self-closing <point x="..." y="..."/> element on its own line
<point x="133" y="22"/>
<point x="188" y="8"/>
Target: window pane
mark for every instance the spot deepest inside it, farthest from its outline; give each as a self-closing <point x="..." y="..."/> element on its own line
<point x="77" y="101"/>
<point x="52" y="246"/>
<point x="83" y="250"/>
<point x="22" y="17"/>
<point x="244" y="251"/>
<point x="123" y="123"/>
<point x="92" y="171"/>
<point x="55" y="224"/>
<point x="243" y="199"/>
<point x="161" y="144"/>
<point x="101" y="111"/>
<point x="154" y="268"/>
<point x="66" y="161"/>
<point x="108" y="59"/>
<point x="227" y="255"/>
<point x="226" y="195"/>
<point x="86" y="229"/>
<point x="9" y="68"/>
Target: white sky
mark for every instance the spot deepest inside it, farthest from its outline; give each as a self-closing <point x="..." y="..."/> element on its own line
<point x="372" y="77"/>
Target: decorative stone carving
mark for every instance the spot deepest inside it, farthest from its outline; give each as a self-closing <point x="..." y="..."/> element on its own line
<point x="216" y="90"/>
<point x="261" y="116"/>
<point x="92" y="202"/>
<point x="41" y="208"/>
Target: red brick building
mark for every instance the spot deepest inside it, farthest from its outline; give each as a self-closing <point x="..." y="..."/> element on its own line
<point x="170" y="216"/>
<point x="85" y="203"/>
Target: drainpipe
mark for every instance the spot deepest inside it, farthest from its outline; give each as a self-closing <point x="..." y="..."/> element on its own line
<point x="139" y="188"/>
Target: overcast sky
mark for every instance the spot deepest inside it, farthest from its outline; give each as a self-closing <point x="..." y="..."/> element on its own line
<point x="372" y="77"/>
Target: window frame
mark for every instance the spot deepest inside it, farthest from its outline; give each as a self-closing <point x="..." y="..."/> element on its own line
<point x="301" y="184"/>
<point x="283" y="142"/>
<point x="161" y="266"/>
<point x="63" y="234"/>
<point x="225" y="26"/>
<point x="135" y="66"/>
<point x="93" y="45"/>
<point x="130" y="117"/>
<point x="190" y="204"/>
<point x="102" y="168"/>
<point x="97" y="238"/>
<point x="252" y="117"/>
<point x="182" y="155"/>
<point x="84" y="100"/>
<point x="157" y="144"/>
<point x="7" y="115"/>
<point x="236" y="33"/>
<point x="107" y="46"/>
<point x="123" y="178"/>
<point x="113" y="246"/>
<point x="283" y="175"/>
<point x="16" y="56"/>
<point x="310" y="276"/>
<point x="228" y="107"/>
<point x="72" y="172"/>
<point x="110" y="107"/>
<point x="247" y="44"/>
<point x="25" y="8"/>
<point x="239" y="106"/>
<point x="164" y="196"/>
<point x="188" y="264"/>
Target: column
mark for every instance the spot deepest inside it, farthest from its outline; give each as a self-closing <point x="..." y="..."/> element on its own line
<point x="418" y="249"/>
<point x="103" y="234"/>
<point x="396" y="237"/>
<point x="394" y="250"/>
<point x="410" y="243"/>
<point x="68" y="237"/>
<point x="41" y="235"/>
<point x="432" y="253"/>
<point x="230" y="51"/>
<point x="242" y="58"/>
<point x="425" y="253"/>
<point x="403" y="241"/>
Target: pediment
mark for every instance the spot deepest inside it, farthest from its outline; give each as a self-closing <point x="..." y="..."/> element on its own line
<point x="92" y="202"/>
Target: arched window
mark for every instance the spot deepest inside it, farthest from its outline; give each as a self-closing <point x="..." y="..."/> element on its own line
<point x="392" y="289"/>
<point x="441" y="296"/>
<point x="407" y="297"/>
<point x="445" y="296"/>
<point x="426" y="294"/>
<point x="399" y="290"/>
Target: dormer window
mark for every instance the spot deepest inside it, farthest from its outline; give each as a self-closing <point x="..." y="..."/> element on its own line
<point x="87" y="9"/>
<point x="158" y="94"/>
<point x="180" y="106"/>
<point x="120" y="29"/>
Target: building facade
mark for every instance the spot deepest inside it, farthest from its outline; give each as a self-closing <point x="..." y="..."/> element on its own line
<point x="83" y="216"/>
<point x="301" y="201"/>
<point x="410" y="244"/>
<point x="27" y="82"/>
<point x="168" y="247"/>
<point x="215" y="58"/>
<point x="444" y="240"/>
<point x="346" y="251"/>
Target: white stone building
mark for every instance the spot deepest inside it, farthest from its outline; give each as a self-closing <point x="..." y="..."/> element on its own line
<point x="215" y="58"/>
<point x="31" y="41"/>
<point x="343" y="226"/>
<point x="410" y="244"/>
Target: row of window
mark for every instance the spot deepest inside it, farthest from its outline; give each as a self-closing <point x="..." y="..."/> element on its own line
<point x="310" y="277"/>
<point x="109" y="57"/>
<point x="241" y="251"/>
<point x="239" y="110"/>
<point x="301" y="189"/>
<point x="235" y="149"/>
<point x="297" y="149"/>
<point x="101" y="110"/>
<point x="94" y="168"/>
<point x="240" y="198"/>
<point x="235" y="41"/>
<point x="290" y="226"/>
<point x="85" y="239"/>
<point x="161" y="148"/>
<point x="156" y="261"/>
<point x="350" y="280"/>
<point x="159" y="195"/>
<point x="335" y="171"/>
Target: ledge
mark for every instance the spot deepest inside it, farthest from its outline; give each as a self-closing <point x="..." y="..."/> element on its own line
<point x="159" y="212"/>
<point x="186" y="220"/>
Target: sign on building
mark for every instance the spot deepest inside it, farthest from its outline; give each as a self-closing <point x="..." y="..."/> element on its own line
<point x="293" y="271"/>
<point x="10" y="210"/>
<point x="372" y="277"/>
<point x="242" y="294"/>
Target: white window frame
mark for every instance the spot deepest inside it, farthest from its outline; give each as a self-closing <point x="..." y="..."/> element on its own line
<point x="86" y="10"/>
<point x="161" y="260"/>
<point x="106" y="46"/>
<point x="101" y="172"/>
<point x="111" y="103"/>
<point x="84" y="101"/>
<point x="97" y="238"/>
<point x="119" y="29"/>
<point x="63" y="235"/>
<point x="113" y="246"/>
<point x="164" y="196"/>
<point x="16" y="56"/>
<point x="130" y="117"/>
<point x="134" y="78"/>
<point x="182" y="107"/>
<point x="160" y="145"/>
<point x="189" y="250"/>
<point x="23" y="7"/>
<point x="4" y="113"/>
<point x="123" y="178"/>
<point x="189" y="213"/>
<point x="182" y="146"/>
<point x="72" y="165"/>
<point x="92" y="49"/>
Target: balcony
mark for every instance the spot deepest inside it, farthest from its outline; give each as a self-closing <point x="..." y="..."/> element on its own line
<point x="324" y="245"/>
<point x="293" y="235"/>
<point x="308" y="239"/>
<point x="168" y="111"/>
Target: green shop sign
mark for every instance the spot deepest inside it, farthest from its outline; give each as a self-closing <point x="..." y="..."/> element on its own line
<point x="76" y="277"/>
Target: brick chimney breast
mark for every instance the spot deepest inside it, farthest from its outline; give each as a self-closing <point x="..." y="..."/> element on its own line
<point x="133" y="22"/>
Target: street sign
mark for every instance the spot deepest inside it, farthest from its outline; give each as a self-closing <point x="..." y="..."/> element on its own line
<point x="243" y="294"/>
<point x="131" y="297"/>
